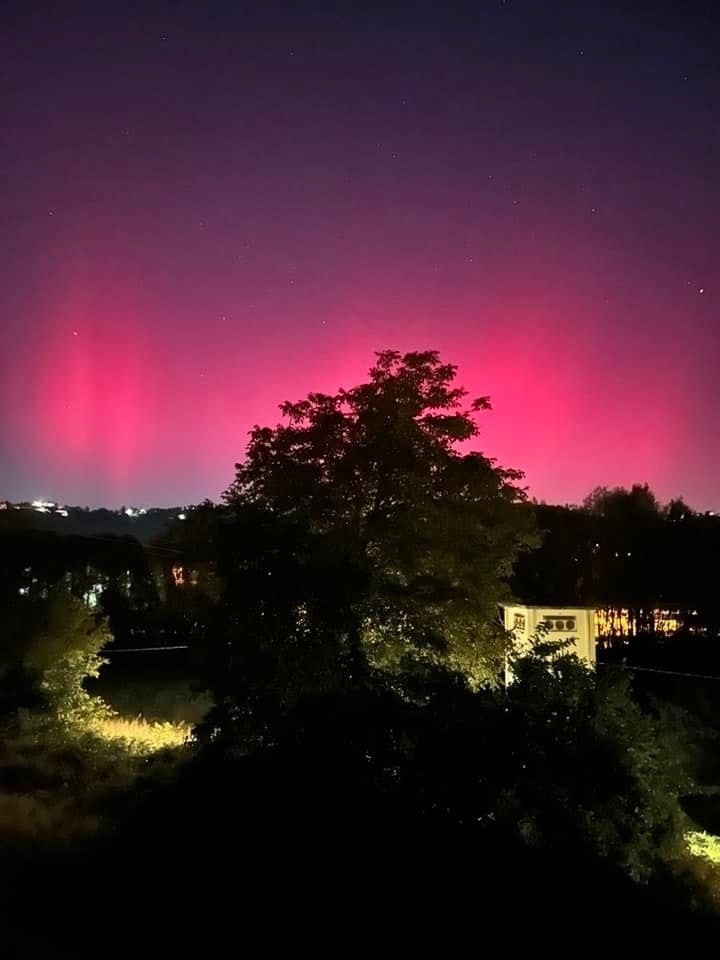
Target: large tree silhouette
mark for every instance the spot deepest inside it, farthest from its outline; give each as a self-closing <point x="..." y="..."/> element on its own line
<point x="363" y="536"/>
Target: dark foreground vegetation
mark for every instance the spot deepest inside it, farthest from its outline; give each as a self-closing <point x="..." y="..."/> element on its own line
<point x="361" y="769"/>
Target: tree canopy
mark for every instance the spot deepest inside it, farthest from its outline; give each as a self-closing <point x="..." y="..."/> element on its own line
<point x="361" y="534"/>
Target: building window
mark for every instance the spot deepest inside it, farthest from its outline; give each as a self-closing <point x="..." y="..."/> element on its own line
<point x="519" y="622"/>
<point x="558" y="625"/>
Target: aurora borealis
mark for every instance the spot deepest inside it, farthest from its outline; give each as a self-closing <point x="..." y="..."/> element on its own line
<point x="210" y="208"/>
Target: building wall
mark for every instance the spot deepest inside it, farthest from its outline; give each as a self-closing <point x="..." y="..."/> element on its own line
<point x="576" y="624"/>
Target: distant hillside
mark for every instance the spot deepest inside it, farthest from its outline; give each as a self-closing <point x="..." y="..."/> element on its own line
<point x="79" y="521"/>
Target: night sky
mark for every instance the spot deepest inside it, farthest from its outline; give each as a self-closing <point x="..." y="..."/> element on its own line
<point x="208" y="208"/>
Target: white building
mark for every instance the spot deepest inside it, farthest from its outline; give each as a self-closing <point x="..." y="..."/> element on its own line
<point x="573" y="624"/>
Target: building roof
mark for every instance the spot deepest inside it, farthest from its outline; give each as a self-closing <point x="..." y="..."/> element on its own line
<point x="548" y="606"/>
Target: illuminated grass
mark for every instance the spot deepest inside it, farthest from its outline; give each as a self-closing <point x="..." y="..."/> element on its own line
<point x="705" y="845"/>
<point x="143" y="736"/>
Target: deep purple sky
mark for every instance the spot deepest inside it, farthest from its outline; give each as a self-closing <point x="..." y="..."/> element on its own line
<point x="206" y="209"/>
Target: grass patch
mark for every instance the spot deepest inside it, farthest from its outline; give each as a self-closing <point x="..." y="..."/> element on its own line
<point x="141" y="736"/>
<point x="59" y="782"/>
<point x="706" y="845"/>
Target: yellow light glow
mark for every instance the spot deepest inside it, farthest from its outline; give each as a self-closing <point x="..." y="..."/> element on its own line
<point x="621" y="622"/>
<point x="705" y="845"/>
<point x="142" y="736"/>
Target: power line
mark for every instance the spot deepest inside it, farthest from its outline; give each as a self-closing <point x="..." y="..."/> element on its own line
<point x="180" y="646"/>
<point x="622" y="666"/>
<point x="669" y="673"/>
<point x="120" y="542"/>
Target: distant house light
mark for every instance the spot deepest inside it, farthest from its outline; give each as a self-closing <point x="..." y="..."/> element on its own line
<point x="182" y="516"/>
<point x="93" y="594"/>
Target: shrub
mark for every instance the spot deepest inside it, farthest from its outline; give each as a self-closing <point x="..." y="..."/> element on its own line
<point x="61" y="652"/>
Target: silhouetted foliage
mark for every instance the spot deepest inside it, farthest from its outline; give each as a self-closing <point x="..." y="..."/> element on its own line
<point x="623" y="550"/>
<point x="46" y="657"/>
<point x="557" y="795"/>
<point x="357" y="536"/>
<point x="342" y="605"/>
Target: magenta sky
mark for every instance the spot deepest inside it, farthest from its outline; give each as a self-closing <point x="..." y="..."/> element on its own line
<point x="205" y="212"/>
